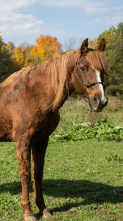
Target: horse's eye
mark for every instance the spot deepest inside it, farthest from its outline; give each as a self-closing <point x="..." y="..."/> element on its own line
<point x="83" y="69"/>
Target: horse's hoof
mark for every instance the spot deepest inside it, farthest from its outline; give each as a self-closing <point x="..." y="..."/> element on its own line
<point x="30" y="218"/>
<point x="45" y="213"/>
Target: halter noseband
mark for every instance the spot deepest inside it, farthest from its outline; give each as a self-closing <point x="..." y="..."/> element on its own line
<point x="82" y="82"/>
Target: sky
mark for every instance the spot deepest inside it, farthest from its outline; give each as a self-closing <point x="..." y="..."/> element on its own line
<point x="25" y="20"/>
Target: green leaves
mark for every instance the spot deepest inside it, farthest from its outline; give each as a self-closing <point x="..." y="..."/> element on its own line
<point x="114" y="57"/>
<point x="7" y="64"/>
<point x="100" y="130"/>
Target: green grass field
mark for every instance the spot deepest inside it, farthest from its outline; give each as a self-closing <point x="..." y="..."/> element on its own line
<point x="83" y="181"/>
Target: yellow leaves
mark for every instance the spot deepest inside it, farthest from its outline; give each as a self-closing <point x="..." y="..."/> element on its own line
<point x="34" y="51"/>
<point x="47" y="47"/>
<point x="19" y="55"/>
<point x="23" y="57"/>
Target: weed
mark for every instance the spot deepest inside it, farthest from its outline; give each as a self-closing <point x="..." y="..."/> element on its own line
<point x="100" y="130"/>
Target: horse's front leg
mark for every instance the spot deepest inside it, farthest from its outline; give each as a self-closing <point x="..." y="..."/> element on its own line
<point x="23" y="157"/>
<point x="38" y="151"/>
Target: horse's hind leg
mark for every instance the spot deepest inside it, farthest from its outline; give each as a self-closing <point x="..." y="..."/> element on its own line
<point x="38" y="151"/>
<point x="23" y="157"/>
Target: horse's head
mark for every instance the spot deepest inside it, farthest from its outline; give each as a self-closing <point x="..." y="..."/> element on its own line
<point x="89" y="75"/>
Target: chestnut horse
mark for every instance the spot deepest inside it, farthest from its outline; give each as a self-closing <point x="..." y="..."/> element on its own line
<point x="29" y="109"/>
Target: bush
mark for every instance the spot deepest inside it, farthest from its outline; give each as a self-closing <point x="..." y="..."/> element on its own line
<point x="100" y="130"/>
<point x="115" y="90"/>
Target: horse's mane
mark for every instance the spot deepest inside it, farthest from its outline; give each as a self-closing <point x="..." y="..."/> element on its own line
<point x="58" y="69"/>
<point x="16" y="76"/>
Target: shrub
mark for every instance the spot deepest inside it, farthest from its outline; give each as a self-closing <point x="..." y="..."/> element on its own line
<point x="100" y="130"/>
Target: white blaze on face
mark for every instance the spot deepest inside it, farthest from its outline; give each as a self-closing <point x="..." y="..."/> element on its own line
<point x="100" y="85"/>
<point x="98" y="76"/>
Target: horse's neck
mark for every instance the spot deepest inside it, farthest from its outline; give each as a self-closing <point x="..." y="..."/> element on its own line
<point x="64" y="96"/>
<point x="57" y="95"/>
<point x="69" y="87"/>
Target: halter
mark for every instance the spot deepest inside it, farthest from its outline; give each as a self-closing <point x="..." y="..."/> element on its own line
<point x="82" y="82"/>
<point x="86" y="85"/>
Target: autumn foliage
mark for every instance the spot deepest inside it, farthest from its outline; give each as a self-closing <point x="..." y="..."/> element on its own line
<point x="46" y="47"/>
<point x="22" y="55"/>
<point x="14" y="58"/>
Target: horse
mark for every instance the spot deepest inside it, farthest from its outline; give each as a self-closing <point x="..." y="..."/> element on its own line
<point x="30" y="100"/>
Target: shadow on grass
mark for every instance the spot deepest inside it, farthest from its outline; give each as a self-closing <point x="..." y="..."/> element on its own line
<point x="86" y="191"/>
<point x="90" y="192"/>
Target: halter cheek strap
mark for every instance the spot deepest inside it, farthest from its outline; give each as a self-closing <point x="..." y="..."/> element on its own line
<point x="86" y="85"/>
<point x="81" y="81"/>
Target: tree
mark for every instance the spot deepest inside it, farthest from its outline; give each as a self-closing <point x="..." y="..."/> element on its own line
<point x="22" y="55"/>
<point x="70" y="44"/>
<point x="107" y="35"/>
<point x="7" y="65"/>
<point x="10" y="46"/>
<point x="114" y="57"/>
<point x="46" y="47"/>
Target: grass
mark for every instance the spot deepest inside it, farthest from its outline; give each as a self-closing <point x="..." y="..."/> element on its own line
<point x="77" y="111"/>
<point x="82" y="180"/>
<point x="107" y="124"/>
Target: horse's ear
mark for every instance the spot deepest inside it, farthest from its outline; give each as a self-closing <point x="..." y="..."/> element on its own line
<point x="101" y="46"/>
<point x="84" y="46"/>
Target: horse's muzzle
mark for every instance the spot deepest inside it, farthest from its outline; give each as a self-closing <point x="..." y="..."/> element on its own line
<point x="97" y="103"/>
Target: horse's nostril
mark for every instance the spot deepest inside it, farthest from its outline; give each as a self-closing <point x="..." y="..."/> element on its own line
<point x="95" y="98"/>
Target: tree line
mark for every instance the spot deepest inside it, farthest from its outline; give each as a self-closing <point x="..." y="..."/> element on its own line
<point x="114" y="57"/>
<point x="14" y="58"/>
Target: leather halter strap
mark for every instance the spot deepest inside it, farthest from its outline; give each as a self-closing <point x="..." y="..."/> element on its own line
<point x="82" y="82"/>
